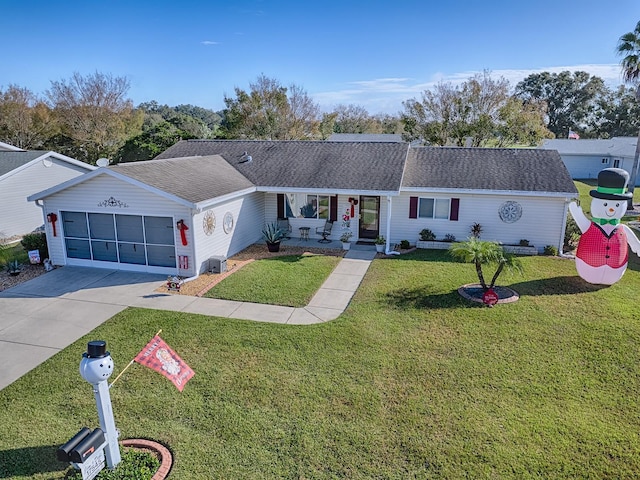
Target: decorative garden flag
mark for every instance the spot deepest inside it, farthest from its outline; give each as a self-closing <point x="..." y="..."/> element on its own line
<point x="158" y="356"/>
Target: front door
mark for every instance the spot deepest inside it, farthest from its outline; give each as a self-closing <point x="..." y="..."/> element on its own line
<point x="369" y="217"/>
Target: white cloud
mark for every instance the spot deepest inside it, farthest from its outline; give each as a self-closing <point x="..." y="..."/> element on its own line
<point x="385" y="95"/>
<point x="209" y="42"/>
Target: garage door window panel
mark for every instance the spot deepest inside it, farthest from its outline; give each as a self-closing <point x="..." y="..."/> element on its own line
<point x="77" y="248"/>
<point x="132" y="253"/>
<point x="159" y="230"/>
<point x="75" y="224"/>
<point x="160" y="256"/>
<point x="104" y="251"/>
<point x="130" y="228"/>
<point x="101" y="226"/>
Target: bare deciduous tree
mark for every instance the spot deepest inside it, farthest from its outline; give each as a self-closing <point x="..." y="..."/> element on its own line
<point x="25" y="120"/>
<point x="94" y="113"/>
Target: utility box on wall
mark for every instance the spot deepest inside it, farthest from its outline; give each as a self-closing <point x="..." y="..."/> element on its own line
<point x="217" y="264"/>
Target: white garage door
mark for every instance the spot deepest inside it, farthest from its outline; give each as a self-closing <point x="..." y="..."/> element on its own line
<point x="132" y="242"/>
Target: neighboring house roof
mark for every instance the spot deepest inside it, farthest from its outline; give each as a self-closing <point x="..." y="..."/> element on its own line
<point x="9" y="148"/>
<point x="495" y="169"/>
<point x="13" y="161"/>
<point x="194" y="179"/>
<point x="616" y="146"/>
<point x="309" y="165"/>
<point x="365" y="137"/>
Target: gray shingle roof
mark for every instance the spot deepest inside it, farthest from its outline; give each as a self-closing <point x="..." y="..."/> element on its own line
<point x="622" y="146"/>
<point x="11" y="160"/>
<point x="354" y="166"/>
<point x="487" y="169"/>
<point x="194" y="179"/>
<point x="365" y="137"/>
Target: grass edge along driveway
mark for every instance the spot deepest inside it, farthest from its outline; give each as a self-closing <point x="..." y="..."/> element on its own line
<point x="411" y="382"/>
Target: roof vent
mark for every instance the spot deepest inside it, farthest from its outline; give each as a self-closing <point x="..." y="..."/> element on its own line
<point x="246" y="158"/>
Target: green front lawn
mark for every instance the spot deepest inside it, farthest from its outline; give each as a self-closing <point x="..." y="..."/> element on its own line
<point x="289" y="280"/>
<point x="411" y="381"/>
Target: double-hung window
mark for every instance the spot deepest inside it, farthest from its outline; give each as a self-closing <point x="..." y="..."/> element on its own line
<point x="434" y="208"/>
<point x="438" y="208"/>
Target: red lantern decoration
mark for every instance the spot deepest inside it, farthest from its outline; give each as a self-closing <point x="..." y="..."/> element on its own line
<point x="52" y="218"/>
<point x="183" y="231"/>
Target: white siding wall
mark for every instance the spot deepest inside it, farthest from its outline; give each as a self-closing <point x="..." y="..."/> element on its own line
<point x="584" y="166"/>
<point x="542" y="220"/>
<point x="248" y="214"/>
<point x="86" y="196"/>
<point x="17" y="216"/>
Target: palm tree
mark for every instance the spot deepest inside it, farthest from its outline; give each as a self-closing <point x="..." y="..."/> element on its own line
<point x="629" y="49"/>
<point x="484" y="253"/>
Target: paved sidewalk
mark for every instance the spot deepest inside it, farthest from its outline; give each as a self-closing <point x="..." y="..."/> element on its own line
<point x="40" y="317"/>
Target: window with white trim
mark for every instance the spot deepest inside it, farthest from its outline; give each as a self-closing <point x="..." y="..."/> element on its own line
<point x="616" y="163"/>
<point x="605" y="160"/>
<point x="434" y="208"/>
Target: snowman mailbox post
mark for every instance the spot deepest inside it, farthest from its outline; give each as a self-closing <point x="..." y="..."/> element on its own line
<point x="87" y="449"/>
<point x="603" y="252"/>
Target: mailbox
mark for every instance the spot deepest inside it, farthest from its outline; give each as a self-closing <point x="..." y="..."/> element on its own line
<point x="64" y="451"/>
<point x="82" y="446"/>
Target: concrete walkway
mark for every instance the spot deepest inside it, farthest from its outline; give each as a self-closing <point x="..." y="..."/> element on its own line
<point x="40" y="317"/>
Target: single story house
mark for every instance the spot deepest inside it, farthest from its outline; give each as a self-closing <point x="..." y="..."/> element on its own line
<point x="585" y="158"/>
<point x="211" y="198"/>
<point x="23" y="172"/>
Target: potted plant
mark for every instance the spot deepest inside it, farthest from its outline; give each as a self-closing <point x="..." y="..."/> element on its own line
<point x="345" y="238"/>
<point x="380" y="242"/>
<point x="272" y="234"/>
<point x="13" y="267"/>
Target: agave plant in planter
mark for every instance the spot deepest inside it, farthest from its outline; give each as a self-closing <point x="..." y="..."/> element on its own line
<point x="13" y="267"/>
<point x="273" y="235"/>
<point x="380" y="243"/>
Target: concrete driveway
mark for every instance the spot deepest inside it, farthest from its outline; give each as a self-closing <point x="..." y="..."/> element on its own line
<point x="40" y="317"/>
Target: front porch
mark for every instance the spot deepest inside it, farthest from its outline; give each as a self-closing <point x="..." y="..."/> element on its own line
<point x="333" y="244"/>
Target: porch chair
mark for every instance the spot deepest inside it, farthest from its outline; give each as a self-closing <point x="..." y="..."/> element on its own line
<point x="325" y="231"/>
<point x="285" y="226"/>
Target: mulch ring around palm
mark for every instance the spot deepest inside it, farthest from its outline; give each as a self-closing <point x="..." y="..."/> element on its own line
<point x="474" y="292"/>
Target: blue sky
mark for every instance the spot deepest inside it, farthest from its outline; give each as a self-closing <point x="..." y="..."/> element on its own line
<point x="371" y="53"/>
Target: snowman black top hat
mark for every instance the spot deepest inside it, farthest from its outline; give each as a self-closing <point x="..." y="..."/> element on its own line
<point x="612" y="185"/>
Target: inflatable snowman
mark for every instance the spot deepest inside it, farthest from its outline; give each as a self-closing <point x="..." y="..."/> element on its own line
<point x="602" y="253"/>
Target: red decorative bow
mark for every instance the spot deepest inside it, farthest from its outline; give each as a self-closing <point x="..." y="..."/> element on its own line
<point x="183" y="231"/>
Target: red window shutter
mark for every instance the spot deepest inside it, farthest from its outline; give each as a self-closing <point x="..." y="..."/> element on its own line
<point x="413" y="207"/>
<point x="281" y="205"/>
<point x="333" y="208"/>
<point x="455" y="208"/>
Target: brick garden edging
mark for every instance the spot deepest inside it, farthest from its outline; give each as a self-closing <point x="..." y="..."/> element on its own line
<point x="162" y="452"/>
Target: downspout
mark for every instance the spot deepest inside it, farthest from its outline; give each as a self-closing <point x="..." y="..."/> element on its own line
<point x="388" y="236"/>
<point x="564" y="228"/>
<point x="40" y="204"/>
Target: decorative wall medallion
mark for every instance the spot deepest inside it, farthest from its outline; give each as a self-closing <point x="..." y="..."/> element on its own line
<point x="227" y="222"/>
<point x="209" y="222"/>
<point x="510" y="212"/>
<point x="112" y="202"/>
